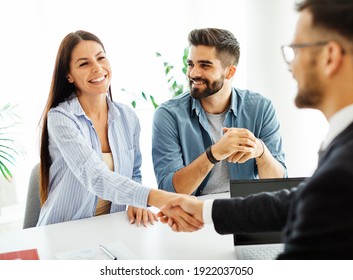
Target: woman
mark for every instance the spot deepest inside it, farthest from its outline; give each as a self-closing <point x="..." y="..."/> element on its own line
<point x="90" y="155"/>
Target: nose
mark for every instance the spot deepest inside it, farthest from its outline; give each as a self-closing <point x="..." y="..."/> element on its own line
<point x="96" y="68"/>
<point x="194" y="72"/>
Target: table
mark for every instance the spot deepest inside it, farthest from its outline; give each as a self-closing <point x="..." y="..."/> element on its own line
<point x="155" y="242"/>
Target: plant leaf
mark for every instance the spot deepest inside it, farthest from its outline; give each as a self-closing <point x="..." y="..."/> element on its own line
<point x="185" y="57"/>
<point x="7" y="159"/>
<point x="143" y="95"/>
<point x="170" y="79"/>
<point x="5" y="172"/>
<point x="9" y="148"/>
<point x="155" y="105"/>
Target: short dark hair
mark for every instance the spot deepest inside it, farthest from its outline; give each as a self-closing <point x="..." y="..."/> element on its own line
<point x="227" y="46"/>
<point x="334" y="15"/>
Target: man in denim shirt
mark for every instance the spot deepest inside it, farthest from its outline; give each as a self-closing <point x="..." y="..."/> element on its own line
<point x="215" y="133"/>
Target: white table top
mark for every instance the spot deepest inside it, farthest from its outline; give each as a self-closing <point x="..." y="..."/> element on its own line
<point x="153" y="242"/>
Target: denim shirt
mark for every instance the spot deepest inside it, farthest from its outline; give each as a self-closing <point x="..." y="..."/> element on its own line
<point x="181" y="134"/>
<point x="78" y="174"/>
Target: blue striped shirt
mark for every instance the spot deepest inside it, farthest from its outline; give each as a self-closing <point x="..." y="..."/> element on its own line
<point x="78" y="174"/>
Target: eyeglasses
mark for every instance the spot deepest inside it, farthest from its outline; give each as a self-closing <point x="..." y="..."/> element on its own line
<point x="289" y="51"/>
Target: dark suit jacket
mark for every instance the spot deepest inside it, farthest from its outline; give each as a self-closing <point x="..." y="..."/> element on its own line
<point x="316" y="218"/>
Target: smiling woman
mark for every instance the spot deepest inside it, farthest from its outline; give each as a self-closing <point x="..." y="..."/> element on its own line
<point x="90" y="155"/>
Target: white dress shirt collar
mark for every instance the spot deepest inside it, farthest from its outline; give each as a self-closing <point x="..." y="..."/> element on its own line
<point x="338" y="122"/>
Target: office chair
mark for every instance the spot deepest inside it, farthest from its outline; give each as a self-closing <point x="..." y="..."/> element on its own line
<point x="33" y="202"/>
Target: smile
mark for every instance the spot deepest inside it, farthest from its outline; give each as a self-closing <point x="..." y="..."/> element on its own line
<point x="197" y="82"/>
<point x="97" y="80"/>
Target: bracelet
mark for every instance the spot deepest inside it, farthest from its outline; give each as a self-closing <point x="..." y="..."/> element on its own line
<point x="263" y="148"/>
<point x="210" y="156"/>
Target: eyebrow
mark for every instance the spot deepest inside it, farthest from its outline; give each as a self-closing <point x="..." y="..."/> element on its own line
<point x="84" y="58"/>
<point x="201" y="61"/>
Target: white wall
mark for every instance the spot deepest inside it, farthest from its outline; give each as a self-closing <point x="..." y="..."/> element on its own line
<point x="271" y="24"/>
<point x="132" y="32"/>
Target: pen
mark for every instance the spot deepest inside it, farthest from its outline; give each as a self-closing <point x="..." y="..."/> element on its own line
<point x="107" y="252"/>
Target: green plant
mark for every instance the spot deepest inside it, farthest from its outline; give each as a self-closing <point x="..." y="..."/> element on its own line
<point x="175" y="87"/>
<point x="8" y="150"/>
<point x="155" y="105"/>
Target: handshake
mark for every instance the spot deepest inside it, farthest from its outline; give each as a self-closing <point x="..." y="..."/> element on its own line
<point x="182" y="213"/>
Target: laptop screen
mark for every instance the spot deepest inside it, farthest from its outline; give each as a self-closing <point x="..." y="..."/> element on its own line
<point x="242" y="188"/>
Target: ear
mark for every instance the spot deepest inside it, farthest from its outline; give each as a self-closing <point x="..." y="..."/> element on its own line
<point x="231" y="71"/>
<point x="69" y="78"/>
<point x="333" y="58"/>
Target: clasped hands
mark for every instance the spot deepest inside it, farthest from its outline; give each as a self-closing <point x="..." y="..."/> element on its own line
<point x="237" y="145"/>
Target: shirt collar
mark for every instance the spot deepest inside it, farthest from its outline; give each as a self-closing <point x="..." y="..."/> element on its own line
<point x="234" y="102"/>
<point x="338" y="122"/>
<point x="76" y="106"/>
<point x="78" y="110"/>
<point x="113" y="112"/>
<point x="197" y="108"/>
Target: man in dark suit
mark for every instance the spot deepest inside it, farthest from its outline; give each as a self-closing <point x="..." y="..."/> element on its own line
<point x="316" y="217"/>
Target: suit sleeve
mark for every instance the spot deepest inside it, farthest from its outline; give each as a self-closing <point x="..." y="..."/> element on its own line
<point x="255" y="213"/>
<point x="321" y="222"/>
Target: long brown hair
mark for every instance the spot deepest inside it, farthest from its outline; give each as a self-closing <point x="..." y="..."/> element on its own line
<point x="60" y="89"/>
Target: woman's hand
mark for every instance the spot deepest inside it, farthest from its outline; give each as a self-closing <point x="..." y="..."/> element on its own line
<point x="138" y="215"/>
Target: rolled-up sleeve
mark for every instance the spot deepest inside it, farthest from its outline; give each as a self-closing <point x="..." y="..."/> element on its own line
<point x="166" y="148"/>
<point x="270" y="134"/>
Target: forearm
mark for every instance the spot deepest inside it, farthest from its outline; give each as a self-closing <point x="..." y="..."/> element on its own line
<point x="268" y="166"/>
<point x="189" y="178"/>
<point x="158" y="198"/>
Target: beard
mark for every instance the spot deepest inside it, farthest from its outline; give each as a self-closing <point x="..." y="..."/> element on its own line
<point x="211" y="88"/>
<point x="308" y="98"/>
<point x="311" y="94"/>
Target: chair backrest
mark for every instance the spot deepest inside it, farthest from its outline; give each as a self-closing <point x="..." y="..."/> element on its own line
<point x="32" y="209"/>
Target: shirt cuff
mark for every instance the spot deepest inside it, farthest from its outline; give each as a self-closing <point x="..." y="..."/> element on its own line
<point x="207" y="211"/>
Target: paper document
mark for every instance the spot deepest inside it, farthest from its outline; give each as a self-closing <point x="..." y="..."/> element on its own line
<point x="118" y="249"/>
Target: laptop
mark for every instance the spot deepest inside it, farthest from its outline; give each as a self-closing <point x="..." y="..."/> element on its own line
<point x="260" y="245"/>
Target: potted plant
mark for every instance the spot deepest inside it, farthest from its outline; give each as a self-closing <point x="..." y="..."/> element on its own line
<point x="8" y="149"/>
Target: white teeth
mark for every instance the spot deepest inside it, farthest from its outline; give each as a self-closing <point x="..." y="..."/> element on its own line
<point x="198" y="83"/>
<point x="98" y="80"/>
